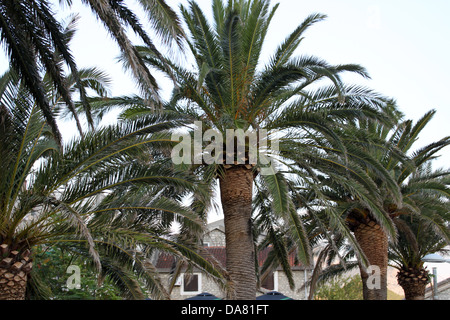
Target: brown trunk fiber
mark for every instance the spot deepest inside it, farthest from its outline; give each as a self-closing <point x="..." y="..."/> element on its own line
<point x="14" y="270"/>
<point x="12" y="286"/>
<point x="374" y="243"/>
<point x="236" y="194"/>
<point x="413" y="282"/>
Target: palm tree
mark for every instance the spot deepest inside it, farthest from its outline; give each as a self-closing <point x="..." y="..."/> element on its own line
<point x="422" y="228"/>
<point x="74" y="197"/>
<point x="230" y="89"/>
<point x="374" y="227"/>
<point x="422" y="234"/>
<point x="414" y="243"/>
<point x="334" y="247"/>
<point x="33" y="37"/>
<point x="372" y="215"/>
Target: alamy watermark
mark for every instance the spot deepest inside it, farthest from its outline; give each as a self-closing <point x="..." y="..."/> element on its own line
<point x="374" y="279"/>
<point x="236" y="148"/>
<point x="74" y="281"/>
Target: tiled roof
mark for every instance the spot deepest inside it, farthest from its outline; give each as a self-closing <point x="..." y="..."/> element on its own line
<point x="166" y="261"/>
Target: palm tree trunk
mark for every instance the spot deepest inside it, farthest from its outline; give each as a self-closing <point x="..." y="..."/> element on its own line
<point x="14" y="270"/>
<point x="413" y="282"/>
<point x="236" y="187"/>
<point x="374" y="243"/>
<point x="12" y="286"/>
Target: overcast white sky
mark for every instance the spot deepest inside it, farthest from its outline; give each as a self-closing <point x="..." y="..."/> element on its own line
<point x="404" y="44"/>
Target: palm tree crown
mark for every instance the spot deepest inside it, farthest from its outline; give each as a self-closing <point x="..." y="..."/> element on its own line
<point x="403" y="194"/>
<point x="74" y="197"/>
<point x="35" y="40"/>
<point x="229" y="88"/>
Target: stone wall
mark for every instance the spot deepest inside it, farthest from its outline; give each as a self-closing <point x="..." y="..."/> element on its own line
<point x="282" y="285"/>
<point x="214" y="238"/>
<point x="299" y="279"/>
<point x="207" y="285"/>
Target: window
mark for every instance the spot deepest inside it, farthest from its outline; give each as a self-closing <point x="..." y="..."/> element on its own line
<point x="271" y="282"/>
<point x="192" y="284"/>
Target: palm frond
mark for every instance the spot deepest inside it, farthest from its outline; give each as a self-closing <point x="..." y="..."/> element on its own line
<point x="164" y="20"/>
<point x="288" y="47"/>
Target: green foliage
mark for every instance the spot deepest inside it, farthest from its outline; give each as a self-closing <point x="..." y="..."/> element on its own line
<point x="342" y="148"/>
<point x="36" y="43"/>
<point x="73" y="198"/>
<point x="51" y="265"/>
<point x="295" y="97"/>
<point x="341" y="288"/>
